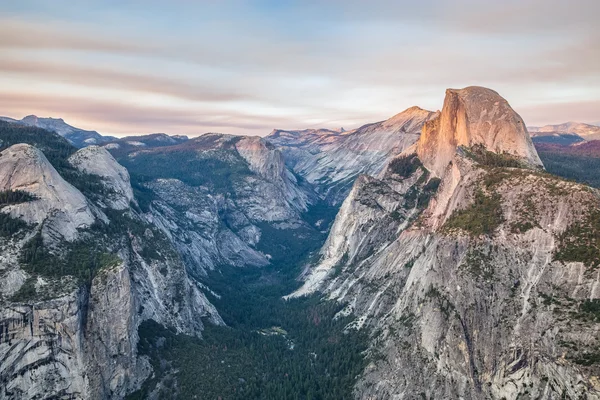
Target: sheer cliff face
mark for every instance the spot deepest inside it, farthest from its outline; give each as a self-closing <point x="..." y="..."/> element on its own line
<point x="115" y="178"/>
<point x="331" y="160"/>
<point x="69" y="317"/>
<point x="474" y="116"/>
<point x="214" y="194"/>
<point x="58" y="203"/>
<point x="482" y="284"/>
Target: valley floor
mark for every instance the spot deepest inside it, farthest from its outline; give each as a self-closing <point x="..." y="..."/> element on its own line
<point x="270" y="349"/>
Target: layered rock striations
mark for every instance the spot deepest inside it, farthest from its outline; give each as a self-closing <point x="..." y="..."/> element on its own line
<point x="477" y="274"/>
<point x="61" y="207"/>
<point x="474" y="116"/>
<point x="78" y="275"/>
<point x="332" y="160"/>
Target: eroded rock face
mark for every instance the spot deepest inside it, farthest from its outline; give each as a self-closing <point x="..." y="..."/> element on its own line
<point x="470" y="284"/>
<point x="65" y="335"/>
<point x="474" y="116"/>
<point x="265" y="160"/>
<point x="98" y="161"/>
<point x="332" y="160"/>
<point x="217" y="218"/>
<point x="60" y="205"/>
<point x="41" y="348"/>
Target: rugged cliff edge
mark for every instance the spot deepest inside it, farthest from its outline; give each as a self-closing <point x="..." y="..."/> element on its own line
<point x="478" y="273"/>
<point x="474" y="116"/>
<point x="216" y="195"/>
<point x="332" y="160"/>
<point x="79" y="271"/>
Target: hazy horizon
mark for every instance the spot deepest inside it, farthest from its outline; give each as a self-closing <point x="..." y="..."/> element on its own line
<point x="249" y="67"/>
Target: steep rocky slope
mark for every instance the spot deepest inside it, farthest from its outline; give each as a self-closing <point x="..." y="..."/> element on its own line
<point x="60" y="206"/>
<point x="216" y="195"/>
<point x="332" y="160"/>
<point x="470" y="117"/>
<point x="482" y="284"/>
<point x="98" y="161"/>
<point x="79" y="271"/>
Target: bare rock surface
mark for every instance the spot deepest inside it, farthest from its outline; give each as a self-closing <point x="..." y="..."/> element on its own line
<point x="60" y="205"/>
<point x="98" y="161"/>
<point x="332" y="160"/>
<point x="73" y="333"/>
<point x="469" y="284"/>
<point x="474" y="116"/>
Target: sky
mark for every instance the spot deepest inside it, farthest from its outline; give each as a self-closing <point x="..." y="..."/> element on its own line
<point x="125" y="67"/>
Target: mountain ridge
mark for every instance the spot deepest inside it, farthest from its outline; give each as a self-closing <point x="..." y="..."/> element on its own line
<point x="333" y="160"/>
<point x="414" y="258"/>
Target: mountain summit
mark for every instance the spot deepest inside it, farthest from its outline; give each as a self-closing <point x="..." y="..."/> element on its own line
<point x="474" y="116"/>
<point x="333" y="160"/>
<point x="475" y="270"/>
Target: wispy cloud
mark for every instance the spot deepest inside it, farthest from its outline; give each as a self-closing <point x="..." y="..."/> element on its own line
<point x="247" y="67"/>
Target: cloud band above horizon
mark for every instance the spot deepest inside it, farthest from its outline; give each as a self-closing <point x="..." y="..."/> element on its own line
<point x="245" y="67"/>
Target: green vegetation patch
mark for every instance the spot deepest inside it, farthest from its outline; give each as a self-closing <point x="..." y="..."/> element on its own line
<point x="526" y="213"/>
<point x="9" y="225"/>
<point x="581" y="241"/>
<point x="56" y="148"/>
<point x="312" y="356"/>
<point x="445" y="305"/>
<point x="217" y="169"/>
<point x="586" y="359"/>
<point x="482" y="156"/>
<point x="26" y="292"/>
<point x="428" y="191"/>
<point x="405" y="166"/>
<point x="573" y="167"/>
<point x="82" y="260"/>
<point x="480" y="218"/>
<point x="85" y="258"/>
<point x="313" y="359"/>
<point x="9" y="197"/>
<point x="479" y="263"/>
<point x="590" y="310"/>
<point x="288" y="245"/>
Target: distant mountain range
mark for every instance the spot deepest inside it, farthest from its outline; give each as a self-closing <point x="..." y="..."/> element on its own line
<point x="77" y="137"/>
<point x="572" y="129"/>
<point x="425" y="256"/>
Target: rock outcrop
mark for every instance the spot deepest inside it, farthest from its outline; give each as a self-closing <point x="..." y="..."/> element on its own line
<point x="266" y="161"/>
<point x="215" y="194"/>
<point x="332" y="160"/>
<point x="60" y="206"/>
<point x="98" y="161"/>
<point x="70" y="306"/>
<point x="474" y="116"/>
<point x="478" y="277"/>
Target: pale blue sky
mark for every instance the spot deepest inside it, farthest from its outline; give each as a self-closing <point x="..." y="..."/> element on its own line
<point x="246" y="67"/>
